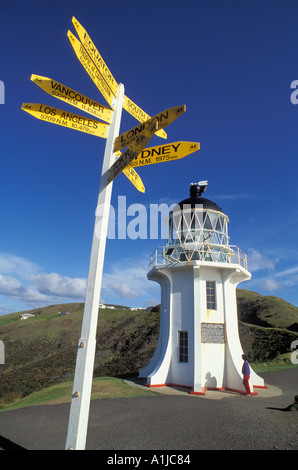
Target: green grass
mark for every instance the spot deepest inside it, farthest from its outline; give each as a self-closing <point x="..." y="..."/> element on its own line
<point x="281" y="362"/>
<point x="103" y="387"/>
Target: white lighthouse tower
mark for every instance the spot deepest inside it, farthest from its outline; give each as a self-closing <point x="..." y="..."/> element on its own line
<point x="198" y="271"/>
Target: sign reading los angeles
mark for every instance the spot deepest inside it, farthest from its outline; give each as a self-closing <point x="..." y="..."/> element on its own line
<point x="66" y="119"/>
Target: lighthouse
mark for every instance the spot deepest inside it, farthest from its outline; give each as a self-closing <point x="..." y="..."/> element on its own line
<point x="198" y="272"/>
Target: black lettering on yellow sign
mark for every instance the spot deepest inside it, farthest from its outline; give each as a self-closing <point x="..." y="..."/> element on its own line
<point x="66" y="119"/>
<point x="139" y="129"/>
<point x="91" y="69"/>
<point x="135" y="111"/>
<point x="162" y="150"/>
<point x="162" y="120"/>
<point x="61" y="90"/>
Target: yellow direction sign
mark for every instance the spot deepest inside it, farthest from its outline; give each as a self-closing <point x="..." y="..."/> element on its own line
<point x="91" y="69"/>
<point x="162" y="119"/>
<point x="139" y="114"/>
<point x="134" y="178"/>
<point x="132" y="152"/>
<point x="95" y="56"/>
<point x="106" y="74"/>
<point x="66" y="119"/>
<point x="164" y="153"/>
<point x="64" y="93"/>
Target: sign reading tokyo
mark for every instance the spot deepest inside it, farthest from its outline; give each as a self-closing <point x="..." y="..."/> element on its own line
<point x="162" y="119"/>
<point x="75" y="98"/>
<point x="165" y="153"/>
<point x="66" y="119"/>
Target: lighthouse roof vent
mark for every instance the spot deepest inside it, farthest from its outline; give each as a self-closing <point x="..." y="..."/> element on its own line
<point x="195" y="199"/>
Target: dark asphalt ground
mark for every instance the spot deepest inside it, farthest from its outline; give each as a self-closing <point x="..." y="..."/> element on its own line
<point x="217" y="421"/>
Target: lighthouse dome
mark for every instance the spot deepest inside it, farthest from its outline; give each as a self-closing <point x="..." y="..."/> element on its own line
<point x="195" y="200"/>
<point x="198" y="226"/>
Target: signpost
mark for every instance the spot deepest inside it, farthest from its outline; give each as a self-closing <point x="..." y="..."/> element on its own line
<point x="136" y="140"/>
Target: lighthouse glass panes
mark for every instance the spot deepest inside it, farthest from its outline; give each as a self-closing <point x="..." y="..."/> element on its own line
<point x="198" y="234"/>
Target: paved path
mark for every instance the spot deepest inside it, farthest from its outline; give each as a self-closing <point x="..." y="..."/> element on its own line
<point x="172" y="420"/>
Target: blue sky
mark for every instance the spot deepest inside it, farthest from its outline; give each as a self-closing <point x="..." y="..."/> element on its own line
<point x="230" y="62"/>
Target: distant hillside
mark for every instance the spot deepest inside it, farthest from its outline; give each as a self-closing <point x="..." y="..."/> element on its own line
<point x="266" y="310"/>
<point x="41" y="351"/>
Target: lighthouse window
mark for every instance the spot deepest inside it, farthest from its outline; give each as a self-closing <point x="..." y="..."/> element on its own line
<point x="211" y="295"/>
<point x="183" y="346"/>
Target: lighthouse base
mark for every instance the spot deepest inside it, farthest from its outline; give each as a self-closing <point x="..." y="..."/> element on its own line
<point x="203" y="389"/>
<point x="199" y="346"/>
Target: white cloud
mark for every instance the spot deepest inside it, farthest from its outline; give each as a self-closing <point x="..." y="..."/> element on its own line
<point x="257" y="261"/>
<point x="128" y="280"/>
<point x="60" y="286"/>
<point x="10" y="263"/>
<point x="124" y="290"/>
<point x="269" y="284"/>
<point x="9" y="285"/>
<point x="23" y="285"/>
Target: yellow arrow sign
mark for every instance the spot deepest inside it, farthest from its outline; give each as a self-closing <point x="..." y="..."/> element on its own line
<point x="104" y="71"/>
<point x="132" y="152"/>
<point x="70" y="96"/>
<point x="91" y="69"/>
<point x="66" y="119"/>
<point x="140" y="115"/>
<point x="95" y="56"/>
<point x="132" y="175"/>
<point x="134" y="178"/>
<point x="164" y="153"/>
<point x="162" y="119"/>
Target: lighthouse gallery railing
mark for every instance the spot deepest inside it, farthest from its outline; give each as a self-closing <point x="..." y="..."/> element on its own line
<point x="185" y="253"/>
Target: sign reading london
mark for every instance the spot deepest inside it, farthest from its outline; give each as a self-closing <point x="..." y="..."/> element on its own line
<point x="163" y="119"/>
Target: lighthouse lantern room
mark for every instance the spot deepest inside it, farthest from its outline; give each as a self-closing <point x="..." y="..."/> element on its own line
<point x="198" y="271"/>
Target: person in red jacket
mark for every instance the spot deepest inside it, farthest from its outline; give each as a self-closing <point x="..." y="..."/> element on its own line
<point x="246" y="374"/>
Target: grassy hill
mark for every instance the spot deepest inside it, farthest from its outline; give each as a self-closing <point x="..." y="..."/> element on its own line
<point x="41" y="351"/>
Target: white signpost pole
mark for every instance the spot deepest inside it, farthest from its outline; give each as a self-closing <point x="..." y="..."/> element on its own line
<point x="79" y="410"/>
